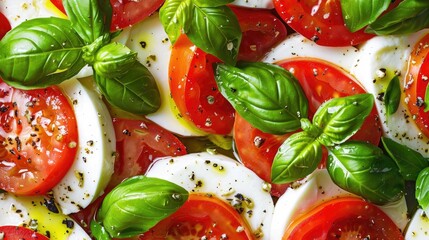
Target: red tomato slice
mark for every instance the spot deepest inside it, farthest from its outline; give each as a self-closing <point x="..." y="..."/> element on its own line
<point x="15" y="232"/>
<point x="200" y="216"/>
<point x="261" y="31"/>
<point x="4" y="25"/>
<point x="417" y="82"/>
<point x="343" y="218"/>
<point x="126" y="12"/>
<point x="39" y="137"/>
<point x="321" y="21"/>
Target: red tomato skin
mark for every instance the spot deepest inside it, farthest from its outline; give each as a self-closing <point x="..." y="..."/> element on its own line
<point x="4" y="25"/>
<point x="18" y="233"/>
<point x="343" y="218"/>
<point x="193" y="221"/>
<point x="39" y="133"/>
<point x="320" y="21"/>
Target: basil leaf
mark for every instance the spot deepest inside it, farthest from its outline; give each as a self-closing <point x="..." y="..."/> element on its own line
<point x="297" y="157"/>
<point x="175" y="15"/>
<point x="408" y="17"/>
<point x="90" y="18"/>
<point x="362" y="168"/>
<point x="422" y="189"/>
<point x="426" y="100"/>
<point x="113" y="60"/>
<point x="359" y="13"/>
<point x="98" y="231"/>
<point x="211" y="3"/>
<point x="392" y="96"/>
<point x="266" y="95"/>
<point x="410" y="162"/>
<point x="139" y="203"/>
<point x="340" y="118"/>
<point x="40" y="52"/>
<point x="135" y="91"/>
<point x="216" y="30"/>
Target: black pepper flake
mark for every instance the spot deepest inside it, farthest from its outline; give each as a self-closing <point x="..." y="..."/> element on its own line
<point x="48" y="234"/>
<point x="69" y="223"/>
<point x="380" y="96"/>
<point x="143" y="44"/>
<point x="420" y="102"/>
<point x="50" y="204"/>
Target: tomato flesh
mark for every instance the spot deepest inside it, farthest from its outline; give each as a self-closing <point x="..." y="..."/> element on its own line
<point x="201" y="216"/>
<point x="417" y="82"/>
<point x="343" y="218"/>
<point x="4" y="25"/>
<point x="15" y="232"/>
<point x="39" y="137"/>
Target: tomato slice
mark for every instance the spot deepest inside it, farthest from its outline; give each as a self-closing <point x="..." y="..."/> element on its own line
<point x="201" y="216"/>
<point x="15" y="232"/>
<point x="417" y="82"/>
<point x="4" y="25"/>
<point x="343" y="218"/>
<point x="321" y="21"/>
<point x="39" y="139"/>
<point x="126" y="12"/>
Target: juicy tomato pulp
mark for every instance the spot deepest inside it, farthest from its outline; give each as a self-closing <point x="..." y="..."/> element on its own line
<point x="321" y="21"/>
<point x="201" y="216"/>
<point x="417" y="83"/>
<point x="39" y="137"/>
<point x="126" y="12"/>
<point x="15" y="232"/>
<point x="4" y="25"/>
<point x="343" y="218"/>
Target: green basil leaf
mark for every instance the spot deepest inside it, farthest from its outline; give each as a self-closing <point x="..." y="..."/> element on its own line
<point x="176" y="15"/>
<point x="392" y="96"/>
<point x="139" y="203"/>
<point x="40" y="52"/>
<point x="297" y="157"/>
<point x="359" y="13"/>
<point x="426" y="109"/>
<point x="362" y="168"/>
<point x="340" y="118"/>
<point x="211" y="3"/>
<point x="90" y="18"/>
<point x="98" y="231"/>
<point x="409" y="162"/>
<point x="135" y="91"/>
<point x="266" y="95"/>
<point x="422" y="189"/>
<point x="216" y="30"/>
<point x="113" y="60"/>
<point x="408" y="17"/>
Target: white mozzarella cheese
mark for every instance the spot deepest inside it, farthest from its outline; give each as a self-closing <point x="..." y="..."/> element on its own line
<point x="295" y="46"/>
<point x="418" y="229"/>
<point x="150" y="41"/>
<point x="33" y="213"/>
<point x="222" y="177"/>
<point x="314" y="190"/>
<point x="94" y="161"/>
<point x="254" y="3"/>
<point x="390" y="54"/>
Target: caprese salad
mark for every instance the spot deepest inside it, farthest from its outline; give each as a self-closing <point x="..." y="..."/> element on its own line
<point x="222" y="119"/>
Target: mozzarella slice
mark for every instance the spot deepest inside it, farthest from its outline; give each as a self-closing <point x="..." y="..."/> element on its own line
<point x="314" y="190"/>
<point x="390" y="54"/>
<point x="223" y="177"/>
<point x="254" y="3"/>
<point x="33" y="213"/>
<point x="150" y="41"/>
<point x="418" y="227"/>
<point x="94" y="161"/>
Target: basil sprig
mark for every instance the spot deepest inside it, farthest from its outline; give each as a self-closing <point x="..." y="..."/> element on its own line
<point x="422" y="189"/>
<point x="210" y="25"/>
<point x="359" y="13"/>
<point x="266" y="95"/>
<point x="363" y="169"/>
<point x="136" y="205"/>
<point x="47" y="51"/>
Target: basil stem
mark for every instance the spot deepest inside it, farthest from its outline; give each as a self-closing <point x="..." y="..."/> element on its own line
<point x="409" y="162"/>
<point x="40" y="52"/>
<point x="341" y="118"/>
<point x="392" y="96"/>
<point x="422" y="189"/>
<point x="266" y="95"/>
<point x="297" y="157"/>
<point x="90" y="18"/>
<point x="359" y="13"/>
<point x="137" y="204"/>
<point x="408" y="17"/>
<point x="362" y="168"/>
